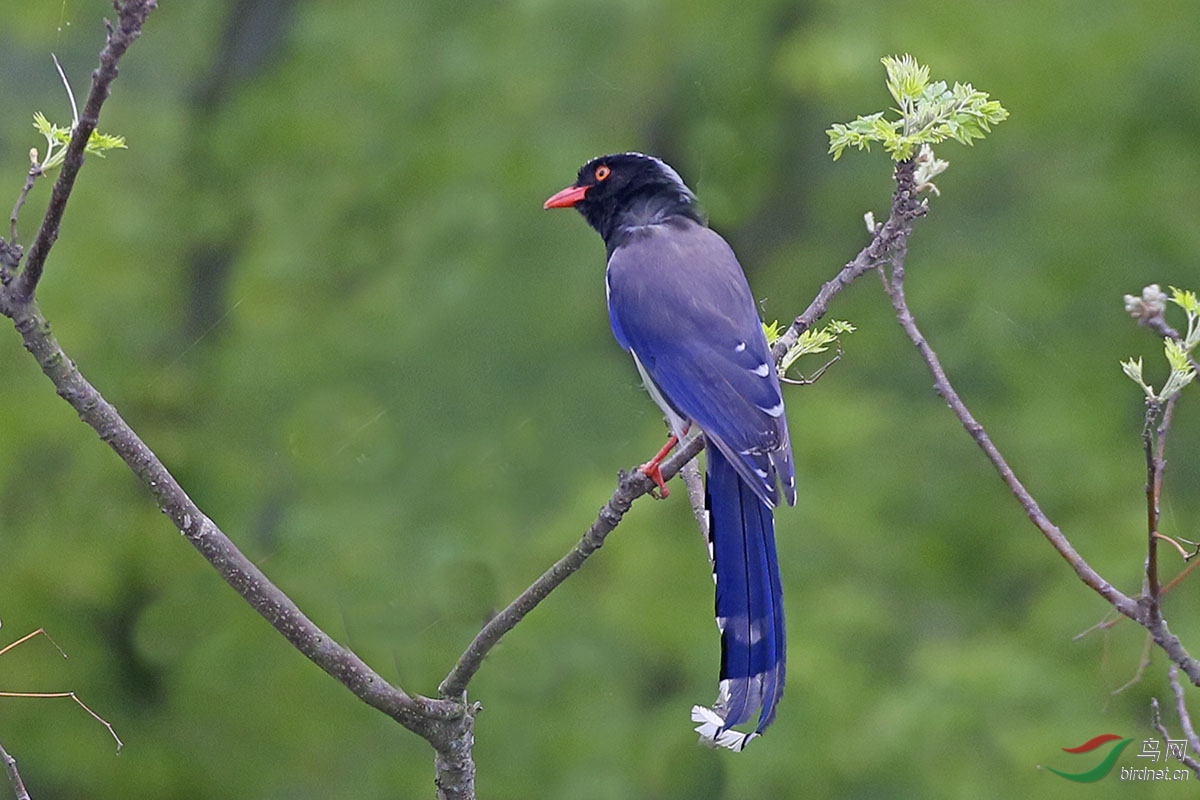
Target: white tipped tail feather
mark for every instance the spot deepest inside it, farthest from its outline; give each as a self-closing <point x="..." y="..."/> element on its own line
<point x="713" y="732"/>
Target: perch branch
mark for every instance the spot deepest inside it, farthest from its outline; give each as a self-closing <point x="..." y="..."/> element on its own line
<point x="630" y="486"/>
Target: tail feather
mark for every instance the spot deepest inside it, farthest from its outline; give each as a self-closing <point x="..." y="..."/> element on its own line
<point x="749" y="607"/>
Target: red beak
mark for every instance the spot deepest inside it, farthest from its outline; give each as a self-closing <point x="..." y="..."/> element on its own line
<point x="567" y="198"/>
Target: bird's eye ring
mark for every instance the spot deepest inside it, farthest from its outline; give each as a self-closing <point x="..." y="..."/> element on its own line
<point x="602" y="172"/>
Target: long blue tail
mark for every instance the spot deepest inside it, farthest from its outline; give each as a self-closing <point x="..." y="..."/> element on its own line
<point x="749" y="607"/>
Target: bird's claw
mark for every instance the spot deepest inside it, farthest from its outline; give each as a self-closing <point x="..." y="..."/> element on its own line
<point x="653" y="471"/>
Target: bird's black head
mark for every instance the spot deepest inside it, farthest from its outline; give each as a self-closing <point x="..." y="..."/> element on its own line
<point x="626" y="190"/>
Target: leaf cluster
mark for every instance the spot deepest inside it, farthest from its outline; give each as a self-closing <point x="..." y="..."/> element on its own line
<point x="1177" y="350"/>
<point x="929" y="113"/>
<point x="57" y="138"/>
<point x="811" y="341"/>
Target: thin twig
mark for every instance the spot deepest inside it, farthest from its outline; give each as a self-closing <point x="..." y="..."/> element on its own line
<point x="1183" y="573"/>
<point x="35" y="172"/>
<point x="1184" y="554"/>
<point x="71" y="695"/>
<point x="1134" y="609"/>
<point x="817" y="373"/>
<point x="29" y="636"/>
<point x="1140" y="672"/>
<point x="1153" y="436"/>
<point x="1157" y="723"/>
<point x="70" y="94"/>
<point x="1185" y="716"/>
<point x="80" y="703"/>
<point x="893" y="233"/>
<point x="131" y="15"/>
<point x="1111" y="621"/>
<point x="895" y="289"/>
<point x="14" y="777"/>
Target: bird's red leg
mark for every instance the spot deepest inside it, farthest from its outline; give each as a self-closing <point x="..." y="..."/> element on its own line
<point x="652" y="469"/>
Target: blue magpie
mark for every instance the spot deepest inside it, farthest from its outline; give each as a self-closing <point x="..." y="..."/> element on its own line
<point x="679" y="302"/>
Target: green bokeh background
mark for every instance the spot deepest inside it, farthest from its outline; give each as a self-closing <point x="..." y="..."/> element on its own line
<point x="320" y="284"/>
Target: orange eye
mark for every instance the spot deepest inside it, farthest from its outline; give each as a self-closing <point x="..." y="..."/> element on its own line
<point x="602" y="172"/>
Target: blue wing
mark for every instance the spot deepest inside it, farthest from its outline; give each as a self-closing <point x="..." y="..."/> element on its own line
<point x="678" y="300"/>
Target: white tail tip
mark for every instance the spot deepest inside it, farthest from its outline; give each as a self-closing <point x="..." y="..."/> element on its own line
<point x="713" y="732"/>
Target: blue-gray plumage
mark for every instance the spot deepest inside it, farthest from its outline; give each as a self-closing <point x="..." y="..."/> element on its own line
<point x="679" y="302"/>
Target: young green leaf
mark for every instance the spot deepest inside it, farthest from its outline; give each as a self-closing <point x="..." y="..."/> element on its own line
<point x="815" y="340"/>
<point x="930" y="113"/>
<point x="57" y="138"/>
<point x="1150" y="307"/>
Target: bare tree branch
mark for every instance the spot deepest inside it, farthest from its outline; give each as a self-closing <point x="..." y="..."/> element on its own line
<point x="237" y="570"/>
<point x="446" y="725"/>
<point x="1154" y="441"/>
<point x="894" y="286"/>
<point x="1185" y="717"/>
<point x="630" y="486"/>
<point x="889" y="236"/>
<point x="14" y="777"/>
<point x="131" y="15"/>
<point x="1156" y="720"/>
<point x="1139" y="610"/>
